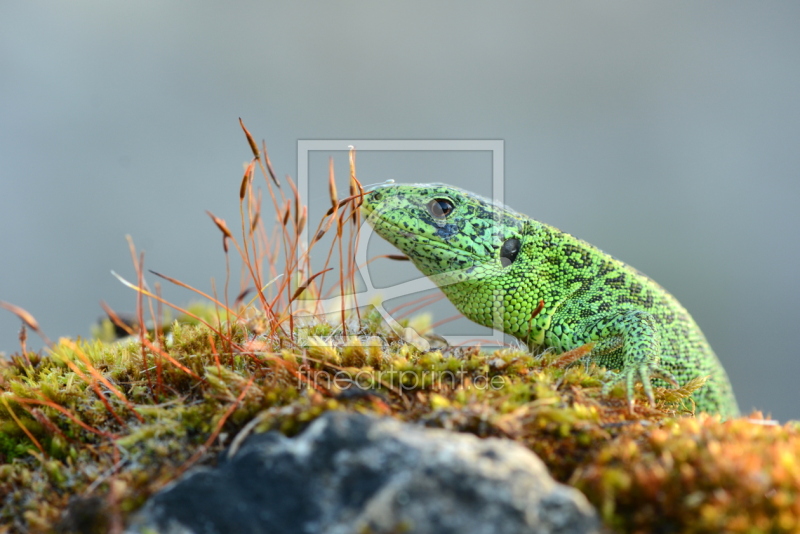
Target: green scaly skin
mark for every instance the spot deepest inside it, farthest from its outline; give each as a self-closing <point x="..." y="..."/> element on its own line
<point x="496" y="265"/>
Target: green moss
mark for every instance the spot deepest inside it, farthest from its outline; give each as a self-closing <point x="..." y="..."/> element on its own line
<point x="112" y="422"/>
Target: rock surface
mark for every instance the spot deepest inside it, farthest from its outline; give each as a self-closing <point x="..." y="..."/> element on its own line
<point x="353" y="473"/>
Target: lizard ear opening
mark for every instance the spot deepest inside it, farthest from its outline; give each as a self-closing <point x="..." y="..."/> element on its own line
<point x="509" y="251"/>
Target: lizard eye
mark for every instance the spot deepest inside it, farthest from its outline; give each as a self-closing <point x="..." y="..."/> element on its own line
<point x="440" y="208"/>
<point x="509" y="251"/>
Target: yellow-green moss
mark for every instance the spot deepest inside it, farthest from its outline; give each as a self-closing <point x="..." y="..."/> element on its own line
<point x="643" y="471"/>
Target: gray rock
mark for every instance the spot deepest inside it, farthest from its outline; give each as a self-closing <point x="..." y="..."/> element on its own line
<point x="352" y="473"/>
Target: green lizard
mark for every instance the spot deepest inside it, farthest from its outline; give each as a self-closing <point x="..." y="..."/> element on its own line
<point x="496" y="265"/>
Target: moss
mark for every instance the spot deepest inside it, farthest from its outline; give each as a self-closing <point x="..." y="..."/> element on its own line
<point x="159" y="413"/>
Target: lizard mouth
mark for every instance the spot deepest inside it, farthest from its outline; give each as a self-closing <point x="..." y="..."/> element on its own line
<point x="418" y="247"/>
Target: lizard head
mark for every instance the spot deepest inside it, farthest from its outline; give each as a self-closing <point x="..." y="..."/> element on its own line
<point x="445" y="230"/>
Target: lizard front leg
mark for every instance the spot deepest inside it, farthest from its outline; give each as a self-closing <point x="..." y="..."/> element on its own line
<point x="629" y="342"/>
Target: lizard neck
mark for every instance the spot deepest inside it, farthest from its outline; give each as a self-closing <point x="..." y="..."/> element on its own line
<point x="508" y="300"/>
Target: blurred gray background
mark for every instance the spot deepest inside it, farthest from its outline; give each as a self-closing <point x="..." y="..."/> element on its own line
<point x="666" y="133"/>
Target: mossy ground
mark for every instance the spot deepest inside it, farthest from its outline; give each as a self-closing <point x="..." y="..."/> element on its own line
<point x="98" y="455"/>
<point x="90" y="429"/>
